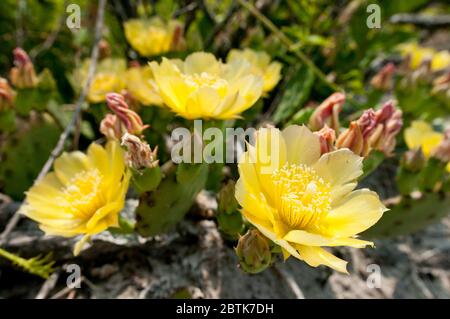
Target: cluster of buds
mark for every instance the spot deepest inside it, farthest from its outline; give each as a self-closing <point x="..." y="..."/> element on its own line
<point x="373" y="130"/>
<point x="139" y="155"/>
<point x="124" y="120"/>
<point x="7" y="95"/>
<point x="254" y="253"/>
<point x="327" y="113"/>
<point x="383" y="79"/>
<point x="23" y="75"/>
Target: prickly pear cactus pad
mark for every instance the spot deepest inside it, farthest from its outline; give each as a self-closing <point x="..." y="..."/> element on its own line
<point x="235" y="149"/>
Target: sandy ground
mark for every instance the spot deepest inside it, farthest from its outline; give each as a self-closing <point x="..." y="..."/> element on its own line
<point x="193" y="261"/>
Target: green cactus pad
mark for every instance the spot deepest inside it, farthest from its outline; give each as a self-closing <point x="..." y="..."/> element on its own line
<point x="23" y="155"/>
<point x="410" y="215"/>
<point x="160" y="210"/>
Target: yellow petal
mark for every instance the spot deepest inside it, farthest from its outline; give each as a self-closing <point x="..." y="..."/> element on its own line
<point x="354" y="213"/>
<point x="95" y="225"/>
<point x="70" y="164"/>
<point x="272" y="76"/>
<point x="315" y="256"/>
<point x="49" y="186"/>
<point x="280" y="242"/>
<point x="337" y="192"/>
<point x="247" y="173"/>
<point x="421" y="134"/>
<point x="202" y="102"/>
<point x="339" y="167"/>
<point x="270" y="151"/>
<point x="199" y="62"/>
<point x="302" y="146"/>
<point x="250" y="89"/>
<point x="99" y="158"/>
<point x="255" y="207"/>
<point x="80" y="244"/>
<point x="309" y="239"/>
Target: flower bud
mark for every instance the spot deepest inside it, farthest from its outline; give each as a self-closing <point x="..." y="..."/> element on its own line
<point x="7" y="95"/>
<point x="383" y="79"/>
<point x="328" y="112"/>
<point x="23" y="75"/>
<point x="327" y="137"/>
<point x="442" y="84"/>
<point x="352" y="138"/>
<point x="227" y="201"/>
<point x="442" y="151"/>
<point x="139" y="154"/>
<point x="104" y="49"/>
<point x="389" y="122"/>
<point x="414" y="160"/>
<point x="112" y="127"/>
<point x="130" y="119"/>
<point x="254" y="253"/>
<point x="178" y="42"/>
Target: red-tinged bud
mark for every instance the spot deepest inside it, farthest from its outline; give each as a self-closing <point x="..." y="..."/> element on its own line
<point x="327" y="137"/>
<point x="7" y="95"/>
<point x="389" y="122"/>
<point x="23" y="75"/>
<point x="352" y="138"/>
<point x="134" y="64"/>
<point x="367" y="122"/>
<point x="112" y="127"/>
<point x="178" y="42"/>
<point x="104" y="49"/>
<point x="328" y="112"/>
<point x="21" y="58"/>
<point x="383" y="79"/>
<point x="131" y="120"/>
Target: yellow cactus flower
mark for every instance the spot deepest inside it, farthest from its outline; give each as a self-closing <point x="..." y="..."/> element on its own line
<point x="417" y="54"/>
<point x="153" y="36"/>
<point x="302" y="200"/>
<point x="83" y="195"/>
<point x="203" y="87"/>
<point x="141" y="85"/>
<point x="109" y="77"/>
<point x="421" y="134"/>
<point x="440" y="61"/>
<point x="261" y="66"/>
